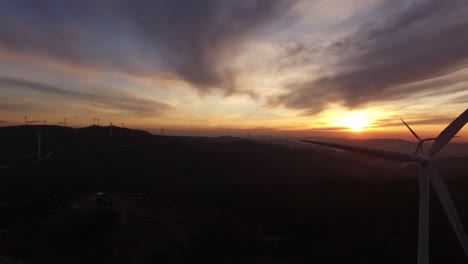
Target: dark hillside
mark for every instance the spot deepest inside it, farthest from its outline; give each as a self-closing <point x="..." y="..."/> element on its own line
<point x="210" y="200"/>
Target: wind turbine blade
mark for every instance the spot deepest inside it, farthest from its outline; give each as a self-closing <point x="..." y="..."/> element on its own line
<point x="423" y="229"/>
<point x="446" y="200"/>
<point x="390" y="155"/>
<point x="414" y="133"/>
<point x="449" y="132"/>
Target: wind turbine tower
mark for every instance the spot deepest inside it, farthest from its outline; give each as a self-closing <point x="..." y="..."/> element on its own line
<point x="65" y="122"/>
<point x="38" y="143"/>
<point x="45" y="122"/>
<point x="94" y="121"/>
<point x="25" y="120"/>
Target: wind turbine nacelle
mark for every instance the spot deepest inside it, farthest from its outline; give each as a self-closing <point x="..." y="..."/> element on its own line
<point x="425" y="159"/>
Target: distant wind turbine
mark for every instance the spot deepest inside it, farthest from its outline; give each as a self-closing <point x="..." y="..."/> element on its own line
<point x="428" y="176"/>
<point x="25" y="120"/>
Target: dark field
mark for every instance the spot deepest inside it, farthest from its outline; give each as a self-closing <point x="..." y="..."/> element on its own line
<point x="211" y="200"/>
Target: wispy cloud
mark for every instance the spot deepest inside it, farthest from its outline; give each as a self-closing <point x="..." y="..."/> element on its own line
<point x="437" y="120"/>
<point x="461" y="99"/>
<point x="122" y="102"/>
<point x="419" y="41"/>
<point x="194" y="41"/>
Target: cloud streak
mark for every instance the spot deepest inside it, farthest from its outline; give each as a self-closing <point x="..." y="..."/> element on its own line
<point x="436" y="120"/>
<point x="121" y="102"/>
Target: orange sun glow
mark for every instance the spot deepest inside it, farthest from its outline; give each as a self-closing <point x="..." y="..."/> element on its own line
<point x="355" y="122"/>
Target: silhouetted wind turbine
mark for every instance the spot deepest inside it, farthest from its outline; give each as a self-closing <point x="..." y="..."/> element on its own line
<point x="65" y="122"/>
<point x="45" y="122"/>
<point x="25" y="120"/>
<point x="428" y="176"/>
<point x="94" y="121"/>
<point x="419" y="147"/>
<point x="38" y="143"/>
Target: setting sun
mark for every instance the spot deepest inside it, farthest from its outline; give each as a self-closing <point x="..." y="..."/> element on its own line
<point x="356" y="122"/>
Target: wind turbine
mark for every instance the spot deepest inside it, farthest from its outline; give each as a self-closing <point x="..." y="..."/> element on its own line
<point x="38" y="143"/>
<point x="419" y="147"/>
<point x="428" y="176"/>
<point x="25" y="120"/>
<point x="65" y="121"/>
<point x="94" y="121"/>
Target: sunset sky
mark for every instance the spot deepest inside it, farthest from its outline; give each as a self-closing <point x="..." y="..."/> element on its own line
<point x="281" y="68"/>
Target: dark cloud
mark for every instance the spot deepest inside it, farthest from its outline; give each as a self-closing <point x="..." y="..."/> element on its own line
<point x="114" y="101"/>
<point x="426" y="40"/>
<point x="3" y="122"/>
<point x="195" y="41"/>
